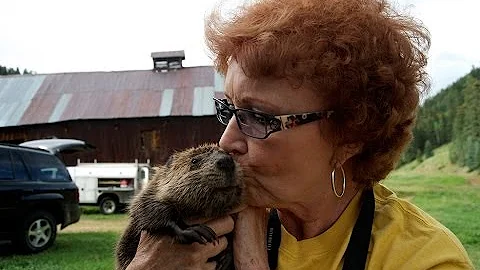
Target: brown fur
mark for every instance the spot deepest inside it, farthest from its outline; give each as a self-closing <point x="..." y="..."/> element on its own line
<point x="197" y="183"/>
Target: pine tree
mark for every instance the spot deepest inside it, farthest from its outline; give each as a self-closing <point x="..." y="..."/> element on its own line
<point x="419" y="156"/>
<point x="457" y="147"/>
<point x="471" y="153"/>
<point x="471" y="128"/>
<point x="428" y="149"/>
<point x="11" y="71"/>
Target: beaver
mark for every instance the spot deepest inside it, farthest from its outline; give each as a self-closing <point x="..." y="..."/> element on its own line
<point x="202" y="182"/>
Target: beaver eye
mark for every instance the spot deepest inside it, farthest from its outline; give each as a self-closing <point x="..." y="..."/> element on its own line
<point x="194" y="160"/>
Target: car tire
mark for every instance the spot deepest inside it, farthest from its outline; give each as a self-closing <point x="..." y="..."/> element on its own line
<point x="38" y="232"/>
<point x="108" y="205"/>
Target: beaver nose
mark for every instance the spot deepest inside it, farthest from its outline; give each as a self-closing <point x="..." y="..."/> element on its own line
<point x="226" y="163"/>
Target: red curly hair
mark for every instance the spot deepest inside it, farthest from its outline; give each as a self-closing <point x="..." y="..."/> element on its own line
<point x="365" y="59"/>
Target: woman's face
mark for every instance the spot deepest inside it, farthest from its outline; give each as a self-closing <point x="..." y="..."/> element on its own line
<point x="290" y="166"/>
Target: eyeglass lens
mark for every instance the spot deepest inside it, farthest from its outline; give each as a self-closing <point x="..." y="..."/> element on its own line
<point x="250" y="123"/>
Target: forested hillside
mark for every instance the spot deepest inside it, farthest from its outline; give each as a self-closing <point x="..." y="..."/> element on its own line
<point x="453" y="115"/>
<point x="11" y="71"/>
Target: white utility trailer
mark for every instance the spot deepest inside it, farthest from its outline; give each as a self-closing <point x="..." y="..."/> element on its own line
<point x="109" y="185"/>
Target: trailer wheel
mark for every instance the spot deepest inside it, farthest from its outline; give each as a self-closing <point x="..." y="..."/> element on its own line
<point x="108" y="205"/>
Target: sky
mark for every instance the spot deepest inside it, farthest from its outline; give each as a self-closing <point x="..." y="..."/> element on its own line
<point x="56" y="36"/>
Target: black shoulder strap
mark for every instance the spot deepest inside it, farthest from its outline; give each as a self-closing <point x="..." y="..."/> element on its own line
<point x="357" y="249"/>
<point x="273" y="238"/>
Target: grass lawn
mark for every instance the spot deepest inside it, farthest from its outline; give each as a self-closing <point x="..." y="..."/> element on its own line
<point x="72" y="251"/>
<point x="451" y="199"/>
<point x="88" y="244"/>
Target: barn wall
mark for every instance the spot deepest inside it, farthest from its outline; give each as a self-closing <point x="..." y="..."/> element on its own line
<point x="124" y="140"/>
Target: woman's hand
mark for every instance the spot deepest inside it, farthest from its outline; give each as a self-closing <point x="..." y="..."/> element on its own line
<point x="249" y="240"/>
<point x="160" y="252"/>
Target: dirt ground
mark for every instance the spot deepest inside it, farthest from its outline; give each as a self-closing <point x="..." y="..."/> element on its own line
<point x="97" y="225"/>
<point x="474" y="180"/>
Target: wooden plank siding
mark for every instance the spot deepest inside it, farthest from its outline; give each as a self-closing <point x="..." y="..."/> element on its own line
<point x="124" y="140"/>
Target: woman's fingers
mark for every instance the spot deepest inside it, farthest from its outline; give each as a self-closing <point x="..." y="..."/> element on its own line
<point x="210" y="266"/>
<point x="213" y="249"/>
<point x="221" y="226"/>
<point x="161" y="251"/>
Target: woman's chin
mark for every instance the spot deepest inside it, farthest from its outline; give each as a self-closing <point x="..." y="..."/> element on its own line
<point x="257" y="195"/>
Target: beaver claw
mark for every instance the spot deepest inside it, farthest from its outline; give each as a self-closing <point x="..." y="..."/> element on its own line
<point x="196" y="233"/>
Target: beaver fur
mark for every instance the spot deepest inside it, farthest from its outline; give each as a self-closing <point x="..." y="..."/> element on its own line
<point x="203" y="182"/>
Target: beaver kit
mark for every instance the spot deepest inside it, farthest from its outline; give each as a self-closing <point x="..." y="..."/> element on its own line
<point x="198" y="183"/>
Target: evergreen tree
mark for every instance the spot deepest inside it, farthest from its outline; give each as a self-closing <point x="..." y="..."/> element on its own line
<point x="11" y="71"/>
<point x="419" y="155"/>
<point x="471" y="153"/>
<point x="471" y="128"/>
<point x="457" y="147"/>
<point x="428" y="149"/>
<point x="451" y="116"/>
<point x="466" y="132"/>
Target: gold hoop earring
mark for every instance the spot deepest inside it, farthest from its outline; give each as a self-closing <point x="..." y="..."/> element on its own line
<point x="333" y="182"/>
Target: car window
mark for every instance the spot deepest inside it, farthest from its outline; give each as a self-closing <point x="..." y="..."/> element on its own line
<point x="6" y="172"/>
<point x="19" y="167"/>
<point x="45" y="167"/>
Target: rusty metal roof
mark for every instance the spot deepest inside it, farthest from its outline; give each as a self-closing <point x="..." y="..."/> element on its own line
<point x="36" y="99"/>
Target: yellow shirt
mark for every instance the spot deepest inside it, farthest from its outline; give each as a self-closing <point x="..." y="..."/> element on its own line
<point x="403" y="238"/>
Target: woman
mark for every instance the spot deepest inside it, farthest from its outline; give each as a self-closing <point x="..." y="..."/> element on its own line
<point x="320" y="101"/>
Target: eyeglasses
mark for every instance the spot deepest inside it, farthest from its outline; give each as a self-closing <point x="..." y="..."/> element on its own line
<point x="261" y="125"/>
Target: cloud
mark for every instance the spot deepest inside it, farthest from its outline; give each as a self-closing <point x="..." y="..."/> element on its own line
<point x="455" y="43"/>
<point x="64" y="36"/>
<point x="447" y="68"/>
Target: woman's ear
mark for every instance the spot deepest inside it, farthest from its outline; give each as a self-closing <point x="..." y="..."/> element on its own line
<point x="346" y="151"/>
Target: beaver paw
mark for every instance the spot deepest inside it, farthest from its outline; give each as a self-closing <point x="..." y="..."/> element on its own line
<point x="196" y="233"/>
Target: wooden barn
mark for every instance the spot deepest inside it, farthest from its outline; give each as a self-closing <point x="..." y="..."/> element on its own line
<point x="126" y="115"/>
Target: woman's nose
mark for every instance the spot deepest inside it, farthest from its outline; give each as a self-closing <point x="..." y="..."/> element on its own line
<point x="233" y="141"/>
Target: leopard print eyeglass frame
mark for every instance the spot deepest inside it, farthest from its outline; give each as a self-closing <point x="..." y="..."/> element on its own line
<point x="260" y="125"/>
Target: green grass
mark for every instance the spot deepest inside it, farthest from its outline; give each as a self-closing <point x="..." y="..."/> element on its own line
<point x="451" y="199"/>
<point x="439" y="188"/>
<point x="92" y="211"/>
<point x="88" y="244"/>
<point x="106" y="218"/>
<point x="73" y="251"/>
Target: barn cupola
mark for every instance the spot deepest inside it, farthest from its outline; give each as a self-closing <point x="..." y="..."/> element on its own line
<point x="166" y="61"/>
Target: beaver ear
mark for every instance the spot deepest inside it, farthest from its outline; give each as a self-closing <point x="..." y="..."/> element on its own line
<point x="169" y="161"/>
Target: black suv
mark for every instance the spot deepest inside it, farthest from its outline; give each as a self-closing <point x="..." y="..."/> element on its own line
<point x="36" y="195"/>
